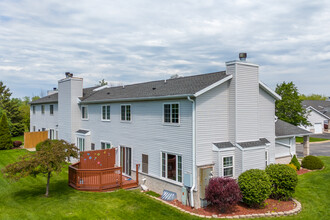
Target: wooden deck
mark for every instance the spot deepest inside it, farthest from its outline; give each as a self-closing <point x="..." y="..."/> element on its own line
<point x="98" y="180"/>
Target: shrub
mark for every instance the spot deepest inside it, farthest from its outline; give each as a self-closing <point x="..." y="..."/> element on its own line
<point x="295" y="162"/>
<point x="284" y="181"/>
<point x="17" y="143"/>
<point x="312" y="163"/>
<point x="292" y="166"/>
<point x="17" y="129"/>
<point x="45" y="143"/>
<point x="223" y="193"/>
<point x="255" y="187"/>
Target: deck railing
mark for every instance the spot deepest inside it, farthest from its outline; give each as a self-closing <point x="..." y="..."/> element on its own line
<point x="99" y="179"/>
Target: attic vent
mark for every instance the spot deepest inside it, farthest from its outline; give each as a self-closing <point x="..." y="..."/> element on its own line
<point x="108" y="93"/>
<point x="153" y="88"/>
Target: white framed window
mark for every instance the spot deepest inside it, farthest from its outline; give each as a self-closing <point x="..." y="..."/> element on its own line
<point x="105" y="145"/>
<point x="172" y="166"/>
<point x="228" y="166"/>
<point x="81" y="143"/>
<point x="34" y="128"/>
<point x="84" y="112"/>
<point x="51" y="109"/>
<point x="34" y="109"/>
<point x="51" y="134"/>
<point x="171" y="113"/>
<point x="105" y="113"/>
<point x="125" y="113"/>
<point x="42" y="109"/>
<point x="266" y="158"/>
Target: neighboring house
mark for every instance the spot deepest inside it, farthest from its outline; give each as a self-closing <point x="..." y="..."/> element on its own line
<point x="318" y="115"/>
<point x="285" y="142"/>
<point x="180" y="130"/>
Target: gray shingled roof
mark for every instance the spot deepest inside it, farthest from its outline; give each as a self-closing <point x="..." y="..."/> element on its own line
<point x="81" y="131"/>
<point x="179" y="86"/>
<point x="260" y="142"/>
<point x="321" y="106"/>
<point x="283" y="128"/>
<point x="54" y="97"/>
<point x="222" y="145"/>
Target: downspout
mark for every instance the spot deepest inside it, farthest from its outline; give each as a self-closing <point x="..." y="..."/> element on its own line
<point x="193" y="150"/>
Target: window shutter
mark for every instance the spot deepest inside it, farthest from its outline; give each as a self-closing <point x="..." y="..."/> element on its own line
<point x="144" y="163"/>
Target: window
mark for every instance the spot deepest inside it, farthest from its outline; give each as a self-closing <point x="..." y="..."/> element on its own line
<point x="105" y="145"/>
<point x="42" y="109"/>
<point x="144" y="163"/>
<point x="105" y="112"/>
<point x="51" y="134"/>
<point x="172" y="167"/>
<point x="34" y="128"/>
<point x="81" y="144"/>
<point x="228" y="168"/>
<point x="84" y="112"/>
<point x="171" y="113"/>
<point x="43" y="129"/>
<point x="92" y="146"/>
<point x="51" y="109"/>
<point x="266" y="158"/>
<point x="33" y="109"/>
<point x="126" y="112"/>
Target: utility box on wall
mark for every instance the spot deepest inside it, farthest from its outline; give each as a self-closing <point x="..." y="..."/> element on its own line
<point x="187" y="179"/>
<point x="184" y="195"/>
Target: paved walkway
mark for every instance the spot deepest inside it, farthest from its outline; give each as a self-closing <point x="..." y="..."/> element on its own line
<point x="315" y="149"/>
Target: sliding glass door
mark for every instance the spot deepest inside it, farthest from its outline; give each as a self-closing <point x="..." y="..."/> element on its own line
<point x="126" y="159"/>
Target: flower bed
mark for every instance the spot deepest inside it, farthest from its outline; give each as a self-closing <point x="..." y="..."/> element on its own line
<point x="302" y="171"/>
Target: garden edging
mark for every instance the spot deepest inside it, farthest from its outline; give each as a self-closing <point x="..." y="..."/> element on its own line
<point x="294" y="211"/>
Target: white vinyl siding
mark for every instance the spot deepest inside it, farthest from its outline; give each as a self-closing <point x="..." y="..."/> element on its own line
<point x="105" y="112"/>
<point x="39" y="120"/>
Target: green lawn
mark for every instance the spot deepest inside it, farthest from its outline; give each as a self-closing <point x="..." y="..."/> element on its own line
<point x="25" y="200"/>
<point x="18" y="138"/>
<point x="311" y="139"/>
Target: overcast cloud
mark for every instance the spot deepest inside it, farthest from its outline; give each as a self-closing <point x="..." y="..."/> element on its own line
<point x="135" y="41"/>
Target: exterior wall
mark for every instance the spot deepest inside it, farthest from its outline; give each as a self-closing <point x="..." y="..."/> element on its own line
<point x="254" y="159"/>
<point x="145" y="134"/>
<point x="314" y="118"/>
<point x="286" y="149"/>
<point x="211" y="122"/>
<point x="266" y="121"/>
<point x="69" y="89"/>
<point x="283" y="160"/>
<point x="45" y="120"/>
<point x="222" y="154"/>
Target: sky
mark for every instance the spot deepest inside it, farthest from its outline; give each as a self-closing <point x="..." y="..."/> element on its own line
<point x="134" y="41"/>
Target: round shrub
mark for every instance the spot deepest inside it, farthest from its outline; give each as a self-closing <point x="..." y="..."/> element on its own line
<point x="292" y="166"/>
<point x="312" y="163"/>
<point x="255" y="187"/>
<point x="284" y="180"/>
<point x="223" y="193"/>
<point x="17" y="143"/>
<point x="295" y="162"/>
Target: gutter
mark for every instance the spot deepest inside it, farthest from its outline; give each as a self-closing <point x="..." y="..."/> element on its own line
<point x="193" y="150"/>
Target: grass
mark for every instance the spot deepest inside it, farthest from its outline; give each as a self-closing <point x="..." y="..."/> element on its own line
<point x="18" y="138"/>
<point x="25" y="199"/>
<point x="311" y="139"/>
<point x="152" y="193"/>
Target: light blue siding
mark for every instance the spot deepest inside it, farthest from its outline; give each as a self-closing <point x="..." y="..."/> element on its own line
<point x="254" y="159"/>
<point x="45" y="120"/>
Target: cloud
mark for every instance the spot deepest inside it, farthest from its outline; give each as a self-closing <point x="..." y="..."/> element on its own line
<point x="136" y="41"/>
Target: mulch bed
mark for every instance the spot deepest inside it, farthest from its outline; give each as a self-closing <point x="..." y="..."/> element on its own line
<point x="302" y="171"/>
<point x="271" y="205"/>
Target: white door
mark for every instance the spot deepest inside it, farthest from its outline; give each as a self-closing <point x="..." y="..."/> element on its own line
<point x="318" y="128"/>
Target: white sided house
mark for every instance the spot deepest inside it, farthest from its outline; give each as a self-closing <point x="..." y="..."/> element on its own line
<point x="182" y="130"/>
<point x="318" y="115"/>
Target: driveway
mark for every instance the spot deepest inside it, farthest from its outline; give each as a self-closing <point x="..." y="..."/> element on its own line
<point x="315" y="149"/>
<point x="324" y="135"/>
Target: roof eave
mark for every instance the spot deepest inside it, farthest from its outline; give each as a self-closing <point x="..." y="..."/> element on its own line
<point x="317" y="111"/>
<point x="269" y="91"/>
<point x="200" y="92"/>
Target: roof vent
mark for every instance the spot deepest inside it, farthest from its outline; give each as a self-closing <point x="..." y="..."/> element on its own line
<point x="153" y="88"/>
<point x="242" y="56"/>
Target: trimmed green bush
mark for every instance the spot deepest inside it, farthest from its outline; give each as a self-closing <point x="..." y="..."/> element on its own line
<point x="255" y="186"/>
<point x="44" y="143"/>
<point x="284" y="180"/>
<point x="292" y="166"/>
<point x="312" y="163"/>
<point x="295" y="162"/>
<point x="17" y="129"/>
<point x="5" y="137"/>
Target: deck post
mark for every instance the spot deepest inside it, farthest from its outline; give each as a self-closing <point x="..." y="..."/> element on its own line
<point x="121" y="177"/>
<point x="137" y="173"/>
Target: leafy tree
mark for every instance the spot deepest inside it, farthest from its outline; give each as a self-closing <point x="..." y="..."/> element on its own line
<point x="50" y="158"/>
<point x="313" y="97"/>
<point x="35" y="98"/>
<point x="5" y="138"/>
<point x="103" y="82"/>
<point x="289" y="108"/>
<point x="4" y="96"/>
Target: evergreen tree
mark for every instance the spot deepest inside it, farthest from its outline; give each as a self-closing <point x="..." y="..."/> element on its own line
<point x="289" y="108"/>
<point x="4" y="97"/>
<point x="5" y="138"/>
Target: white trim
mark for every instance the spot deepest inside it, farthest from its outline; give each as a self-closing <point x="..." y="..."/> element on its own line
<point x="166" y="165"/>
<point x="126" y="121"/>
<point x="250" y="148"/>
<point x="106" y="142"/>
<point x="233" y="166"/>
<point x="213" y="85"/>
<point x="216" y="149"/>
<point x="266" y="159"/>
<point x="83" y="135"/>
<point x="105" y="113"/>
<point x="179" y="112"/>
<point x="269" y="91"/>
<point x="311" y="107"/>
<point x="292" y="135"/>
<point x="81" y="115"/>
<point x="283" y="144"/>
<point x="240" y="62"/>
<point x="101" y="87"/>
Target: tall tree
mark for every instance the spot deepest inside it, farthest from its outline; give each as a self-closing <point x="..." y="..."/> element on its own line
<point x="289" y="108"/>
<point x="5" y="138"/>
<point x="4" y="97"/>
<point x="49" y="159"/>
<point x="313" y="97"/>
